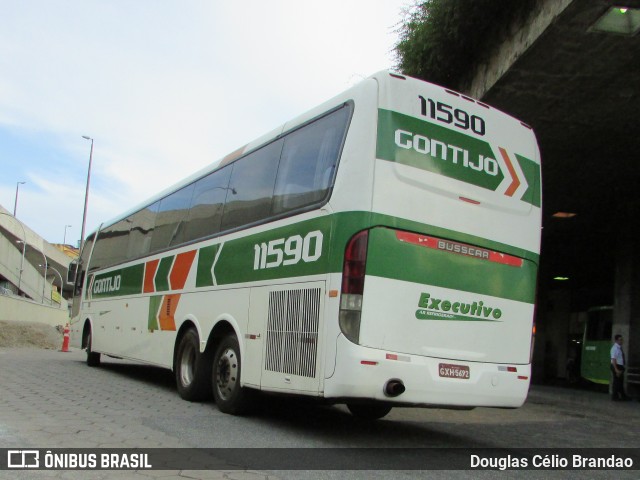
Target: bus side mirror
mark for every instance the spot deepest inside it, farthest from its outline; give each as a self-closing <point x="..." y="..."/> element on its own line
<point x="72" y="272"/>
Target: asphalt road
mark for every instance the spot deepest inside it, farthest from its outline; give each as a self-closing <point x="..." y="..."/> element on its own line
<point x="50" y="399"/>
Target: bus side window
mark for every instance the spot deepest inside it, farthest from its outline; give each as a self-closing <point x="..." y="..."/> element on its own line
<point x="207" y="204"/>
<point x="82" y="264"/>
<point x="250" y="191"/>
<point x="141" y="230"/>
<point x="72" y="271"/>
<point x="111" y="246"/>
<point x="171" y="212"/>
<point x="308" y="162"/>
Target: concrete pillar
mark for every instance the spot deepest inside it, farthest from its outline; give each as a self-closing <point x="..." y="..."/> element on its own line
<point x="626" y="305"/>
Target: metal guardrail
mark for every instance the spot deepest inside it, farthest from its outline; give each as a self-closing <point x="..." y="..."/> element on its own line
<point x="6" y="291"/>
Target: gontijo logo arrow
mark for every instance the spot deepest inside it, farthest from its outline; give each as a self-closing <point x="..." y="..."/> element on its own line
<point x="515" y="181"/>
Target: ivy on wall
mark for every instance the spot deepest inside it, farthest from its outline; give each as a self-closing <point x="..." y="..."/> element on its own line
<point x="443" y="41"/>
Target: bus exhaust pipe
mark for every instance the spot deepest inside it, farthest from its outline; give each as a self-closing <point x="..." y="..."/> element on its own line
<point x="393" y="388"/>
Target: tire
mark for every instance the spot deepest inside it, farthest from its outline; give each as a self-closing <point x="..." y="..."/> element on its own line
<point x="229" y="395"/>
<point x="93" y="358"/>
<point x="192" y="368"/>
<point x="368" y="411"/>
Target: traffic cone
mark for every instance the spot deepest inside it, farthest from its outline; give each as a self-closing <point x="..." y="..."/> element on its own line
<point x="65" y="339"/>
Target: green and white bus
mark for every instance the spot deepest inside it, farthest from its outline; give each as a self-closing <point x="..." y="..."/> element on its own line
<point x="380" y="250"/>
<point x="595" y="361"/>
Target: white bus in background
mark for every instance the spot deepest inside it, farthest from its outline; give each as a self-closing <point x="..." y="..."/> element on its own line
<point x="380" y="250"/>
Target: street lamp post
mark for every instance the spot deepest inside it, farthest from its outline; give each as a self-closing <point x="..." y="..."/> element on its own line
<point x="64" y="239"/>
<point x="86" y="194"/>
<point x="44" y="273"/>
<point x="61" y="282"/>
<point x="15" y="203"/>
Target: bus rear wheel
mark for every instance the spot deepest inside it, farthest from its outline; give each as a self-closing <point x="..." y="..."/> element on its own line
<point x="229" y="395"/>
<point x="368" y="412"/>
<point x="192" y="368"/>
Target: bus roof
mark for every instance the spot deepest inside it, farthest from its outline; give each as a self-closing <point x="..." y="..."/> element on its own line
<point x="383" y="78"/>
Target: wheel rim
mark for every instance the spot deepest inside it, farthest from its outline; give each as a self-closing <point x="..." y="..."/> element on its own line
<point x="187" y="362"/>
<point x="227" y="373"/>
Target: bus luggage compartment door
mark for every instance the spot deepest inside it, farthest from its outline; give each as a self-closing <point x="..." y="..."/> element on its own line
<point x="285" y="322"/>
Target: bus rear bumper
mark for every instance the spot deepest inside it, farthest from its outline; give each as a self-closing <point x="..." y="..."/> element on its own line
<point x="363" y="373"/>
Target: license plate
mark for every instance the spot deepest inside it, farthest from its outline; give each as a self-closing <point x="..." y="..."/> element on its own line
<point x="454" y="371"/>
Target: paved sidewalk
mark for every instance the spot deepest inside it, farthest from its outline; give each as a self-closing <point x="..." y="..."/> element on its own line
<point x="585" y="401"/>
<point x="50" y="399"/>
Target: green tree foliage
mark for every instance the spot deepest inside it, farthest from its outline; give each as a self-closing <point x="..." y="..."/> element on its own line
<point x="442" y="41"/>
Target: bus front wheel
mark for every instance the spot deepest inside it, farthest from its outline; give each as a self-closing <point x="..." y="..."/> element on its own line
<point x="229" y="395"/>
<point x="368" y="412"/>
<point x="192" y="368"/>
<point x="93" y="358"/>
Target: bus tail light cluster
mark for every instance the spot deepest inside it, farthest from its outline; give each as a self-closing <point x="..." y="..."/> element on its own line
<point x="355" y="260"/>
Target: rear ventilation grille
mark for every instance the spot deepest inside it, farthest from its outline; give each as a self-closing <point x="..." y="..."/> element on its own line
<point x="292" y="332"/>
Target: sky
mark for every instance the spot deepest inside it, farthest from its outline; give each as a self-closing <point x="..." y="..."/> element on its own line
<point x="164" y="88"/>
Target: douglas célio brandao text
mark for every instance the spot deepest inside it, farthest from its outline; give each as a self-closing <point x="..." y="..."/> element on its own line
<point x="550" y="461"/>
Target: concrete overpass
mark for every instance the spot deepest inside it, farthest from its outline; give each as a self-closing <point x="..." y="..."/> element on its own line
<point x="565" y="72"/>
<point x="32" y="274"/>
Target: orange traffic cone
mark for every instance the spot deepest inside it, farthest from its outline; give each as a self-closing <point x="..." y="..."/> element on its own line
<point x="65" y="339"/>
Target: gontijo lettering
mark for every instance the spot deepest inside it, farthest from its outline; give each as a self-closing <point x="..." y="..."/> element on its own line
<point x="452" y="153"/>
<point x="109" y="284"/>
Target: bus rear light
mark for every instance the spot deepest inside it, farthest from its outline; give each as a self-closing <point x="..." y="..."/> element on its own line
<point x="522" y="377"/>
<point x="350" y="301"/>
<point x="368" y="362"/>
<point x="400" y="358"/>
<point x="353" y="271"/>
<point x="350" y="324"/>
<point x="355" y="260"/>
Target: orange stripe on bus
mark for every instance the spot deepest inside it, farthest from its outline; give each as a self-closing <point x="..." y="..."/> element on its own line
<point x="166" y="316"/>
<point x="180" y="270"/>
<point x="150" y="269"/>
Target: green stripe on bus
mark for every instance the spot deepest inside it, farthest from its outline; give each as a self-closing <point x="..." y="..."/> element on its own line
<point x="311" y="247"/>
<point x="206" y="257"/>
<point x="162" y="275"/>
<point x="118" y="282"/>
<point x="531" y="172"/>
<point x="348" y="223"/>
<point x="388" y="257"/>
<point x="296" y="250"/>
<point x="155" y="302"/>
